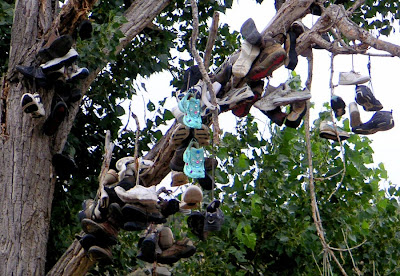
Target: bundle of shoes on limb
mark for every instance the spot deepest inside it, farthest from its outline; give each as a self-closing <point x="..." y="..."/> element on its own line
<point x="380" y="121"/>
<point x="58" y="70"/>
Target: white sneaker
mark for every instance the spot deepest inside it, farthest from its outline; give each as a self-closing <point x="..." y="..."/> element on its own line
<point x="352" y="78"/>
<point x="265" y="103"/>
<point x="235" y="95"/>
<point x="139" y="193"/>
<point x="248" y="53"/>
<point x="126" y="167"/>
<point x="32" y="104"/>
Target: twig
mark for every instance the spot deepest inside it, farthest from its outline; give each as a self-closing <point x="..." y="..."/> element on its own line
<point x="108" y="148"/>
<point x="312" y="253"/>
<point x="351" y="255"/>
<point x="211" y="40"/>
<point x="203" y="71"/>
<point x="135" y="155"/>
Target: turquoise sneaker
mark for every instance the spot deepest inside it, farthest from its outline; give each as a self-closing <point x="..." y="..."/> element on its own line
<point x="191" y="108"/>
<point x="194" y="160"/>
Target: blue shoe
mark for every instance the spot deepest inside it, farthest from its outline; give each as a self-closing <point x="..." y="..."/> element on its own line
<point x="191" y="108"/>
<point x="194" y="161"/>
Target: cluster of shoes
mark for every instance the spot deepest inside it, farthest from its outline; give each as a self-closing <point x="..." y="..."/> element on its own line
<point x="380" y="121"/>
<point x="58" y="70"/>
<point x="123" y="202"/>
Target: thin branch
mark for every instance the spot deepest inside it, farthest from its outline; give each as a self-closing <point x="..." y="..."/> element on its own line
<point x="351" y="255"/>
<point x="203" y="71"/>
<point x="211" y="40"/>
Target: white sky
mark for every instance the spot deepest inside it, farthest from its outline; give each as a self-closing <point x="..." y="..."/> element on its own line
<point x="384" y="75"/>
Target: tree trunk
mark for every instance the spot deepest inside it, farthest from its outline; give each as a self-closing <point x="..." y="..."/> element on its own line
<point x="27" y="175"/>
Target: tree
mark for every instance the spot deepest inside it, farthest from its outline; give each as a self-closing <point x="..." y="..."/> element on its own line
<point x="28" y="180"/>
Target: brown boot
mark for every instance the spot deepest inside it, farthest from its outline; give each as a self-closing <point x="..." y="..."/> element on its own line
<point x="180" y="249"/>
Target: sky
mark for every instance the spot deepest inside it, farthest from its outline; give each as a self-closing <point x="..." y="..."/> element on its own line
<point x="384" y="73"/>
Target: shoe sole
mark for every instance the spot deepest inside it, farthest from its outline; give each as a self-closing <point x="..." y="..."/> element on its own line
<point x="331" y="135"/>
<point x="58" y="63"/>
<point x="275" y="60"/>
<point x="381" y="127"/>
<point x="55" y="119"/>
<point x="202" y="135"/>
<point x="288" y="100"/>
<point x="179" y="135"/>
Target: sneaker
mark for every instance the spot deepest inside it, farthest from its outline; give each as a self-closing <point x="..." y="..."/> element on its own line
<point x="191" y="197"/>
<point x="202" y="135"/>
<point x="298" y="28"/>
<point x="56" y="117"/>
<point x="276" y="116"/>
<point x="63" y="165"/>
<point x="135" y="226"/>
<point x="89" y="240"/>
<point x="169" y="207"/>
<point x="195" y="222"/>
<point x="271" y="58"/>
<point x="180" y="249"/>
<point x="110" y="178"/>
<point x="134" y="212"/>
<point x="34" y="73"/>
<point x="250" y="33"/>
<point x="74" y="73"/>
<point x="296" y="114"/>
<point x="338" y="106"/>
<point x="138" y="194"/>
<point x="85" y="29"/>
<point x="242" y="109"/>
<point x="223" y="76"/>
<point x="214" y="217"/>
<point x="180" y="133"/>
<point x="58" y="48"/>
<point x="366" y="98"/>
<point x="248" y="53"/>
<point x="207" y="182"/>
<point x="102" y="230"/>
<point x="177" y="163"/>
<point x="380" y="121"/>
<point x="210" y="164"/>
<point x="148" y="247"/>
<point x="178" y="179"/>
<point x="328" y="131"/>
<point x="265" y="103"/>
<point x="286" y="95"/>
<point x="194" y="160"/>
<point x="126" y="167"/>
<point x="100" y="254"/>
<point x="191" y="77"/>
<point x="290" y="47"/>
<point x="32" y="104"/>
<point x="315" y="9"/>
<point x="352" y="78"/>
<point x="191" y="107"/>
<point x="165" y="238"/>
<point x="235" y="96"/>
<point x="57" y="63"/>
<point x="355" y="119"/>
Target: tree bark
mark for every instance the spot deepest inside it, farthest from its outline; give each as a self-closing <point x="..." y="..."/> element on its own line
<point x="27" y="175"/>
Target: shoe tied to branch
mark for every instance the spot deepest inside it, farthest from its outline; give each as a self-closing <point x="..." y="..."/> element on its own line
<point x="352" y="78"/>
<point x="355" y="119"/>
<point x="297" y="112"/>
<point x="191" y="107"/>
<point x="270" y="59"/>
<point x="248" y="53"/>
<point x="366" y="98"/>
<point x="32" y="104"/>
<point x="338" y="106"/>
<point x="195" y="223"/>
<point x="276" y="115"/>
<point x="125" y="167"/>
<point x="214" y="217"/>
<point x="138" y="194"/>
<point x="75" y="73"/>
<point x="250" y="33"/>
<point x="194" y="160"/>
<point x="180" y="134"/>
<point x="191" y="197"/>
<point x="180" y="249"/>
<point x="58" y="48"/>
<point x="235" y="96"/>
<point x="165" y="238"/>
<point x="328" y="131"/>
<point x="57" y="63"/>
<point x="34" y="73"/>
<point x="380" y="121"/>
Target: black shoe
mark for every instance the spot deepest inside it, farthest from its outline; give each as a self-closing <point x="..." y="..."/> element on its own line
<point x="57" y="116"/>
<point x="34" y="73"/>
<point x="207" y="183"/>
<point x="64" y="165"/>
<point x="276" y="115"/>
<point x="195" y="223"/>
<point x="250" y="33"/>
<point x="381" y="121"/>
<point x="85" y="29"/>
<point x="169" y="207"/>
<point x="75" y="73"/>
<point x="147" y="251"/>
<point x="297" y="112"/>
<point x="57" y="63"/>
<point x="365" y="98"/>
<point x="338" y="106"/>
<point x="134" y="213"/>
<point x="290" y="43"/>
<point x="58" y="48"/>
<point x="315" y="9"/>
<point x="191" y="77"/>
<point x="214" y="217"/>
<point x="135" y="226"/>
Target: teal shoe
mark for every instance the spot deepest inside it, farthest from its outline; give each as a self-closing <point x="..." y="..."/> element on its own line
<point x="194" y="160"/>
<point x="191" y="108"/>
